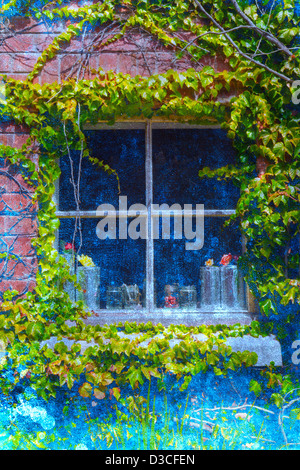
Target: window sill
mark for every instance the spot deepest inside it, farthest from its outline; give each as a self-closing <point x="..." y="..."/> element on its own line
<point x="168" y="317"/>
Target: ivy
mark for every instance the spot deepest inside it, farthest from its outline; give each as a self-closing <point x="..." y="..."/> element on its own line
<point x="263" y="61"/>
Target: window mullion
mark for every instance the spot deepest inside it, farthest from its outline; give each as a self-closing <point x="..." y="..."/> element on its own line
<point x="149" y="201"/>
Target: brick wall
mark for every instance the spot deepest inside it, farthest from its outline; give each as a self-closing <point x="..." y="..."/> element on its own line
<point x="135" y="54"/>
<point x="18" y="222"/>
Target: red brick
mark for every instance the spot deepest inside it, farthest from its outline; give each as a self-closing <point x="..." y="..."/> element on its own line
<point x="18" y="245"/>
<point x="20" y="269"/>
<point x="18" y="23"/>
<point x="67" y="62"/>
<point x="20" y="139"/>
<point x="13" y="225"/>
<point x="221" y="63"/>
<point x="132" y="42"/>
<point x="165" y="61"/>
<point x="18" y="76"/>
<point x="7" y="139"/>
<point x="110" y="61"/>
<point x="128" y="64"/>
<point x="22" y="286"/>
<point x="10" y="127"/>
<point x="14" y="182"/>
<point x="41" y="41"/>
<point x="18" y="183"/>
<point x="184" y="35"/>
<point x="16" y="202"/>
<point x="146" y="64"/>
<point x="19" y="43"/>
<point x="24" y="62"/>
<point x="6" y="63"/>
<point x="51" y="72"/>
<point x="185" y="63"/>
<point x="73" y="46"/>
<point x="5" y="182"/>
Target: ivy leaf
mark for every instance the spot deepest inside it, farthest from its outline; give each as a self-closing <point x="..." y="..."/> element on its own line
<point x="266" y="306"/>
<point x="135" y="377"/>
<point x="99" y="394"/>
<point x="85" y="390"/>
<point x="61" y="348"/>
<point x="277" y="399"/>
<point x="116" y="392"/>
<point x="255" y="387"/>
<point x="35" y="330"/>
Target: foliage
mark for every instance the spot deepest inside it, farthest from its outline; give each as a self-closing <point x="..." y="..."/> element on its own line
<point x="153" y="422"/>
<point x="260" y="46"/>
<point x="101" y="360"/>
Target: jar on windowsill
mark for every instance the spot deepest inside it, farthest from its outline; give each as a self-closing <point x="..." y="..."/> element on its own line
<point x="210" y="288"/>
<point x="171" y="293"/>
<point x="188" y="298"/>
<point x="232" y="289"/>
<point x="68" y="286"/>
<point x="114" y="298"/>
<point x="89" y="279"/>
<point x="131" y="297"/>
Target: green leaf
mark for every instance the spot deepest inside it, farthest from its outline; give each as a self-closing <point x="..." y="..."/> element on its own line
<point x="135" y="377"/>
<point x="255" y="387"/>
<point x="61" y="348"/>
<point x="35" y="330"/>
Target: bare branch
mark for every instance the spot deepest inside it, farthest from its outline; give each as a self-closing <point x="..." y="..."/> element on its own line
<point x="268" y="36"/>
<point x="236" y="47"/>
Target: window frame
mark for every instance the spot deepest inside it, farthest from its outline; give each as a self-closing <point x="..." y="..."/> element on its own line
<point x="151" y="312"/>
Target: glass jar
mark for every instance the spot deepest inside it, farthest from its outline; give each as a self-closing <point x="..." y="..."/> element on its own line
<point x="131" y="297"/>
<point x="89" y="279"/>
<point x="171" y="292"/>
<point x="210" y="288"/>
<point x="68" y="286"/>
<point x="188" y="298"/>
<point x="232" y="289"/>
<point x="114" y="298"/>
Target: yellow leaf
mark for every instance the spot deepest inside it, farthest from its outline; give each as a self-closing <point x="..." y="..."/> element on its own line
<point x="99" y="394"/>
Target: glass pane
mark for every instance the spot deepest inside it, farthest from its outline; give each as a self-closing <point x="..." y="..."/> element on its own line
<point x="179" y="154"/>
<point x="182" y="278"/>
<point x="124" y="152"/>
<point x="121" y="266"/>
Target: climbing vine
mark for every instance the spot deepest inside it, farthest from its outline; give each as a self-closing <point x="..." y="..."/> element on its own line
<point x="259" y="43"/>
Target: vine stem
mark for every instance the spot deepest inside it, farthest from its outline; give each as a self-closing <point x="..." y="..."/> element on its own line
<point x="236" y="47"/>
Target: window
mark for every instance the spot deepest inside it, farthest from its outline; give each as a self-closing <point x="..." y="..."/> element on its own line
<point x="156" y="275"/>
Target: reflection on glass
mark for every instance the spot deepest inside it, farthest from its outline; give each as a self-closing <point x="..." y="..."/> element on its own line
<point x="124" y="152"/>
<point x="131" y="297"/>
<point x="188" y="298"/>
<point x="121" y="262"/>
<point x="222" y="288"/>
<point x="232" y="289"/>
<point x="89" y="280"/>
<point x="210" y="288"/>
<point x="173" y="264"/>
<point x="179" y="154"/>
<point x="114" y="298"/>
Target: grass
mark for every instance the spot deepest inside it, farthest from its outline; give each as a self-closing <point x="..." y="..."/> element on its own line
<point x="206" y="417"/>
